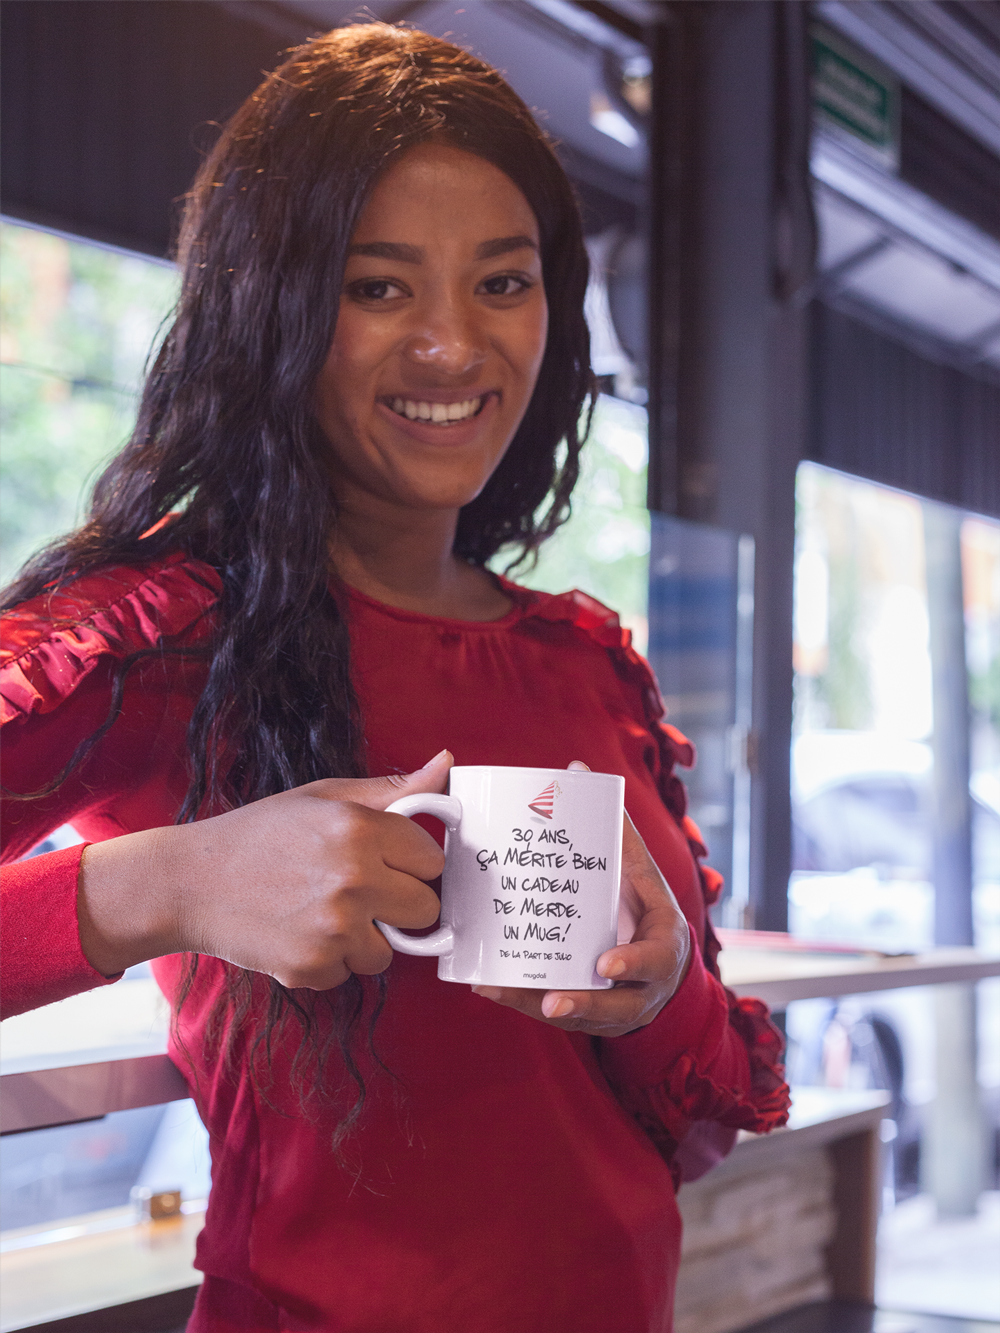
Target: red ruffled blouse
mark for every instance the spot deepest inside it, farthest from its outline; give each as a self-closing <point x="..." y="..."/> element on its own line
<point x="507" y="1177"/>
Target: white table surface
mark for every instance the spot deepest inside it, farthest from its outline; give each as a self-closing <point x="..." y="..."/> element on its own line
<point x="778" y="976"/>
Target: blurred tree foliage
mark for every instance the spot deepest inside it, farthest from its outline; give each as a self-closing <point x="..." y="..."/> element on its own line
<point x="604" y="547"/>
<point x="846" y="685"/>
<point x="984" y="692"/>
<point x="77" y="322"/>
<point x="836" y="693"/>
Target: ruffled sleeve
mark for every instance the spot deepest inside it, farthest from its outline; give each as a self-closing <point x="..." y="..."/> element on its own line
<point x="702" y="1062"/>
<point x="51" y="643"/>
<point x="710" y="1058"/>
<point x="54" y="647"/>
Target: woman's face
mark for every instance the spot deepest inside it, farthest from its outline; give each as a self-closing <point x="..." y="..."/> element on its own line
<point x="440" y="334"/>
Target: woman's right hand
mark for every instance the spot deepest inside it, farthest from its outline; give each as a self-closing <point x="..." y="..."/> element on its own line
<point x="290" y="885"/>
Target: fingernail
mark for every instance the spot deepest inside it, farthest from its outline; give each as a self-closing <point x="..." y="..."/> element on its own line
<point x="613" y="969"/>
<point x="440" y="755"/>
<point x="578" y="766"/>
<point x="487" y="992"/>
<point x="556" y="1007"/>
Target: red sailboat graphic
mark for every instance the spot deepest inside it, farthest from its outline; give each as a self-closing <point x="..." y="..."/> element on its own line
<point x="545" y="800"/>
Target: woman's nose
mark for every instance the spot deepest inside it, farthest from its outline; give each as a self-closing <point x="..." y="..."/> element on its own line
<point x="447" y="343"/>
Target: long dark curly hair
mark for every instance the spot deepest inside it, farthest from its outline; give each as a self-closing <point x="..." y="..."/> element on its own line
<point x="226" y="440"/>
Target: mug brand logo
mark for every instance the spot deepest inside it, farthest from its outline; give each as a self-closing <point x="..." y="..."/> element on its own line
<point x="545" y="800"/>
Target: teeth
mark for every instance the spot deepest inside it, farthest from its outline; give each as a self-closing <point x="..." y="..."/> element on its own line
<point x="442" y="414"/>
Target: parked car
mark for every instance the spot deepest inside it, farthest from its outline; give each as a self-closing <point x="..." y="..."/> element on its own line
<point x="863" y="874"/>
<point x="862" y="851"/>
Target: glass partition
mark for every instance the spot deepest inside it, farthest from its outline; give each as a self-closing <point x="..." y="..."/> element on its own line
<point x="701" y="648"/>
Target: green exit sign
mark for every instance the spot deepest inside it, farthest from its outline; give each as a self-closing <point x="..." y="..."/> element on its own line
<point x="855" y="97"/>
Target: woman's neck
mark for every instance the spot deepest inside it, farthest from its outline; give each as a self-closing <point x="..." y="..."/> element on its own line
<point x="410" y="565"/>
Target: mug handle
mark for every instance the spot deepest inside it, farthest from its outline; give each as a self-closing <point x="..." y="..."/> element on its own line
<point x="449" y="810"/>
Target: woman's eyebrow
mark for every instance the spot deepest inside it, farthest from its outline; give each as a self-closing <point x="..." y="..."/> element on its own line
<point x="504" y="246"/>
<point x="414" y="254"/>
<point x="403" y="254"/>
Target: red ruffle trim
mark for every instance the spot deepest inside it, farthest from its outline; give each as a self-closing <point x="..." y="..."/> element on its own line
<point x="690" y="1101"/>
<point x="603" y="626"/>
<point x="766" y="1045"/>
<point x="54" y="640"/>
<point x="688" y="1096"/>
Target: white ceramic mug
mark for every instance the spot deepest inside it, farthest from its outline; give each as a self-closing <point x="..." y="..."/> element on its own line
<point x="529" y="895"/>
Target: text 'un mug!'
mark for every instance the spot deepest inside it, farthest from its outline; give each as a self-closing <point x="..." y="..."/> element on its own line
<point x="529" y="895"/>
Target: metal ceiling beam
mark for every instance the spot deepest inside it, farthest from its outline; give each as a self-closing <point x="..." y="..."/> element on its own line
<point x="908" y="211"/>
<point x="614" y="19"/>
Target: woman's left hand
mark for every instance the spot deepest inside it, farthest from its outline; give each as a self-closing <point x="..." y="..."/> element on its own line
<point x="646" y="971"/>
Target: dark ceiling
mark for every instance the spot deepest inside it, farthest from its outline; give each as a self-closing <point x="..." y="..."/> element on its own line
<point x="108" y="105"/>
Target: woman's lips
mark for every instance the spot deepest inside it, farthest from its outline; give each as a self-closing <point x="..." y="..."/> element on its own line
<point x="452" y="430"/>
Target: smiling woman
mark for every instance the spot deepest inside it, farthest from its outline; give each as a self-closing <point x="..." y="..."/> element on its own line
<point x="439" y="340"/>
<point x="279" y="606"/>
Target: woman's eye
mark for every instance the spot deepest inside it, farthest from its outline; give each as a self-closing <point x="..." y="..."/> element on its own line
<point x="374" y="289"/>
<point x="505" y="284"/>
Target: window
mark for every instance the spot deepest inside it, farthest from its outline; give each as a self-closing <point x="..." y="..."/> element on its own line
<point x="78" y="321"/>
<point x="862" y="783"/>
<point x="77" y="324"/>
<point x="864" y="715"/>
